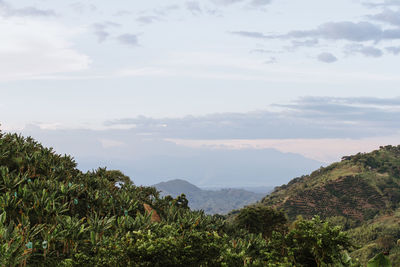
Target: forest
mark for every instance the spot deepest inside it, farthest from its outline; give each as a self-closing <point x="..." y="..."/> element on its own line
<point x="53" y="214"/>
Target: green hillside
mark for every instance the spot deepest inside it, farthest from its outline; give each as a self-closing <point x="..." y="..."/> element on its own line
<point x="362" y="193"/>
<point x="219" y="201"/>
<point x="52" y="214"/>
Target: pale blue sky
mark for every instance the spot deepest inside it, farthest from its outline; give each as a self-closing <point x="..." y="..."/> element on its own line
<point x="268" y="70"/>
<point x="184" y="58"/>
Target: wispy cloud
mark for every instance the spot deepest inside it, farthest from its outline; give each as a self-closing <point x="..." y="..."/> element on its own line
<point x="194" y="7"/>
<point x="388" y="16"/>
<point x="153" y="15"/>
<point x="395" y="50"/>
<point x="368" y="51"/>
<point x="129" y="39"/>
<point x="327" y="57"/>
<point x="100" y="30"/>
<point x="305" y="43"/>
<point x="30" y="11"/>
<point x="83" y="7"/>
<point x="257" y="35"/>
<point x="345" y="30"/>
<point x="147" y="19"/>
<point x="260" y="3"/>
<point x="253" y="3"/>
<point x="227" y="2"/>
<point x="271" y="60"/>
<point x="33" y="48"/>
<point x="384" y="3"/>
<point x="308" y="117"/>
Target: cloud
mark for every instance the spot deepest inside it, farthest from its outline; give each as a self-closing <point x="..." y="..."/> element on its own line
<point x="368" y="51"/>
<point x="361" y="31"/>
<point x="100" y="30"/>
<point x="32" y="48"/>
<point x="309" y="117"/>
<point x="257" y="35"/>
<point x="129" y="39"/>
<point x="120" y="13"/>
<point x="387" y="16"/>
<point x="252" y="3"/>
<point x="385" y="3"/>
<point x="298" y="44"/>
<point x="260" y="3"/>
<point x="262" y="51"/>
<point x="227" y="2"/>
<point x="194" y="7"/>
<point x="306" y="43"/>
<point x="327" y="58"/>
<point x="345" y="30"/>
<point x="151" y="15"/>
<point x="82" y="8"/>
<point x="147" y="19"/>
<point x="165" y="10"/>
<point x="8" y="11"/>
<point x="395" y="50"/>
<point x="271" y="60"/>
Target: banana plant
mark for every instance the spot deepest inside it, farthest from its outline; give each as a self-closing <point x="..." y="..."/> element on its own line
<point x="17" y="241"/>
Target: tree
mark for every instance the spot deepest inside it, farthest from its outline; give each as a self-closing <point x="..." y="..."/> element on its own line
<point x="317" y="243"/>
<point x="261" y="219"/>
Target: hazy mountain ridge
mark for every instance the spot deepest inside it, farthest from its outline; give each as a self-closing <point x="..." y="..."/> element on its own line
<point x="211" y="201"/>
<point x="151" y="160"/>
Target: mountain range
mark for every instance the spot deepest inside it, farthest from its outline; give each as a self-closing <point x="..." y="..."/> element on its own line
<point x="211" y="201"/>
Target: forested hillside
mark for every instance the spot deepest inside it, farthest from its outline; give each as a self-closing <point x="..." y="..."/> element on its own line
<point x="52" y="214"/>
<point x="361" y="193"/>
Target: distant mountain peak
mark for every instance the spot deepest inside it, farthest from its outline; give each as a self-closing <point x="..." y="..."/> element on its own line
<point x="176" y="187"/>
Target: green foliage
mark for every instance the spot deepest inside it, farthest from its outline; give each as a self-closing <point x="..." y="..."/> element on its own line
<point x="315" y="243"/>
<point x="261" y="219"/>
<point x="379" y="260"/>
<point x="52" y="214"/>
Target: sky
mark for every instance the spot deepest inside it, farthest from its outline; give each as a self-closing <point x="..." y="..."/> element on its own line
<point x="318" y="79"/>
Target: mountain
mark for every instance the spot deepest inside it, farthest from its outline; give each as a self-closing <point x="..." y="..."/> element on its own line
<point x="150" y="159"/>
<point x="177" y="187"/>
<point x="211" y="201"/>
<point x="362" y="193"/>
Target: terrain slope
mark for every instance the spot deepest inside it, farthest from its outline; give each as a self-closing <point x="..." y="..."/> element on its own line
<point x="361" y="193"/>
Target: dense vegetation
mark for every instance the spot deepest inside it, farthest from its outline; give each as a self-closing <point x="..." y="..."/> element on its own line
<point x="52" y="214"/>
<point x="361" y="193"/>
<point x="211" y="201"/>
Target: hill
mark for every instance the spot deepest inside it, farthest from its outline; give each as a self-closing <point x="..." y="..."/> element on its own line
<point x="362" y="192"/>
<point x="53" y="214"/>
<point x="211" y="201"/>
